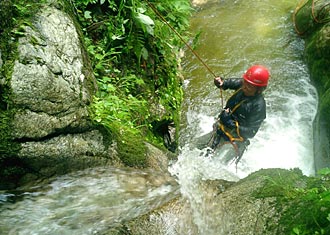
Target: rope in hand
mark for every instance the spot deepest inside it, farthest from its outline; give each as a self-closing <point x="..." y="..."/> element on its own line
<point x="189" y="47"/>
<point x="238" y="157"/>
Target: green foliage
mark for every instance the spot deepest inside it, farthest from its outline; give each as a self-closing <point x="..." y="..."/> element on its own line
<point x="124" y="115"/>
<point x="304" y="202"/>
<point x="115" y="104"/>
<point x="134" y="57"/>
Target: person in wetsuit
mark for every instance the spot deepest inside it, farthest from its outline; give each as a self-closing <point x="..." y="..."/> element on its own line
<point x="245" y="110"/>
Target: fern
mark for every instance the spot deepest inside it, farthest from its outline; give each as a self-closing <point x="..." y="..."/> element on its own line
<point x="134" y="58"/>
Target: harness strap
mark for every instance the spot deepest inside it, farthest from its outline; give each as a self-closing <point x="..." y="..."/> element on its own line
<point x="229" y="135"/>
<point x="232" y="139"/>
<point x="223" y="128"/>
<point x="237" y="105"/>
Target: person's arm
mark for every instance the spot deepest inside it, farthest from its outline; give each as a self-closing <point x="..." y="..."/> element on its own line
<point x="229" y="83"/>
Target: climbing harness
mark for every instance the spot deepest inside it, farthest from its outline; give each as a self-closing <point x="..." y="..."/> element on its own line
<point x="238" y="152"/>
<point x="184" y="41"/>
<point x="315" y="12"/>
<point x="233" y="140"/>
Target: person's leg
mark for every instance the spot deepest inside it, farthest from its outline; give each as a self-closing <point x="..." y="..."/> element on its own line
<point x="219" y="135"/>
<point x="216" y="141"/>
<point x="242" y="146"/>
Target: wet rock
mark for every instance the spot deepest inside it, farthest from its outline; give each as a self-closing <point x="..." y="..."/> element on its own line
<point x="222" y="208"/>
<point x="48" y="80"/>
<point x="52" y="85"/>
<point x="312" y="23"/>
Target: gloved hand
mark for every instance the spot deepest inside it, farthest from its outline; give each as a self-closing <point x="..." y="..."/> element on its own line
<point x="226" y="119"/>
<point x="218" y="81"/>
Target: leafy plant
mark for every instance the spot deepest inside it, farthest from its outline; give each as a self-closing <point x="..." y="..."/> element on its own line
<point x="134" y="56"/>
<point x="304" y="202"/>
<point x="115" y="104"/>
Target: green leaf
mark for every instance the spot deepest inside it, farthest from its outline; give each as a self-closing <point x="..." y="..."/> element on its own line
<point x="145" y="54"/>
<point x="87" y="15"/>
<point x="147" y="22"/>
<point x="296" y="231"/>
<point x="117" y="37"/>
<point x="324" y="171"/>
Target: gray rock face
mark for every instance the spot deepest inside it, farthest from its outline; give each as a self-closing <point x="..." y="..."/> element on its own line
<point x="47" y="81"/>
<point x="52" y="86"/>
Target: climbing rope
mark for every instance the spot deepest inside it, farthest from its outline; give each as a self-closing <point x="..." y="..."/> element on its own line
<point x="184" y="41"/>
<point x="320" y="10"/>
<point x="231" y="141"/>
<point x="302" y="5"/>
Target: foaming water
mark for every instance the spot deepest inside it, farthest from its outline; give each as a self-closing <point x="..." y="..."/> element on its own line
<point x="230" y="47"/>
<point x="235" y="35"/>
<point x="86" y="202"/>
<point x="191" y="170"/>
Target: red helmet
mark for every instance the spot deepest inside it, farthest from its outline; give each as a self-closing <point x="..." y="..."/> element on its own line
<point x="257" y="75"/>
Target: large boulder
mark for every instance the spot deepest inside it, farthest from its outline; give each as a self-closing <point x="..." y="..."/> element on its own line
<point x="51" y="86"/>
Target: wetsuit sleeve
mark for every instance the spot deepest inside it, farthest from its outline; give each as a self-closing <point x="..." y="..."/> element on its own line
<point x="232" y="83"/>
<point x="254" y="119"/>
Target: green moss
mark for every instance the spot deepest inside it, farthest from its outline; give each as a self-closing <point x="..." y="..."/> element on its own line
<point x="303" y="202"/>
<point x="280" y="183"/>
<point x="131" y="147"/>
<point x="132" y="153"/>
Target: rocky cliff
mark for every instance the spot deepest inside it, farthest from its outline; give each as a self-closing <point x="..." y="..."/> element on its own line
<point x="46" y="87"/>
<point x="51" y="85"/>
<point x="312" y="22"/>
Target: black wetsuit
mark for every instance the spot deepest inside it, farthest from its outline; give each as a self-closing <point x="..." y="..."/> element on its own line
<point x="251" y="110"/>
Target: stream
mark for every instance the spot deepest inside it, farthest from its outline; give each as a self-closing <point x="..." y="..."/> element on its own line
<point x="235" y="34"/>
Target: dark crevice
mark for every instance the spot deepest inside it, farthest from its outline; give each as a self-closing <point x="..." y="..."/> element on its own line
<point x="56" y="133"/>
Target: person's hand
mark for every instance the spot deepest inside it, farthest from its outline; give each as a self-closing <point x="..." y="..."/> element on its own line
<point x="225" y="115"/>
<point x="226" y="119"/>
<point x="218" y="82"/>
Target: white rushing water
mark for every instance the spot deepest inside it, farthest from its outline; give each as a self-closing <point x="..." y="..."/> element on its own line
<point x="236" y="35"/>
<point x="86" y="202"/>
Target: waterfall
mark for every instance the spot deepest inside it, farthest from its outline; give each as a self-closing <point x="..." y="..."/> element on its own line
<point x="236" y="35"/>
